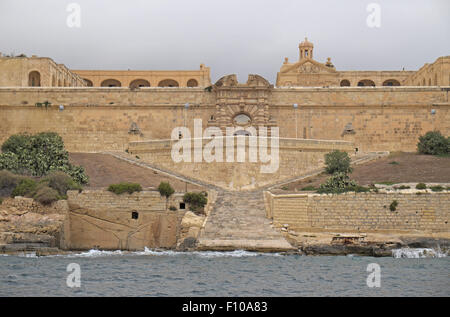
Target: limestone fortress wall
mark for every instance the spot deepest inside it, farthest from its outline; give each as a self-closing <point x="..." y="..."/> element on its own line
<point x="361" y="212"/>
<point x="106" y="110"/>
<point x="98" y="119"/>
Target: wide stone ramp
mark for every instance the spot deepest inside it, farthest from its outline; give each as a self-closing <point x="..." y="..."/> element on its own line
<point x="238" y="221"/>
<point x="133" y="160"/>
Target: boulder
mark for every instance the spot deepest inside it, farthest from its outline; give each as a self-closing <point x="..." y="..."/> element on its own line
<point x="192" y="220"/>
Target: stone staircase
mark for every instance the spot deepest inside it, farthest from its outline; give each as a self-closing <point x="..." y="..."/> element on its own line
<point x="238" y="221"/>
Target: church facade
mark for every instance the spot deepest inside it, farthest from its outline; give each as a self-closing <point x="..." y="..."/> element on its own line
<point x="307" y="72"/>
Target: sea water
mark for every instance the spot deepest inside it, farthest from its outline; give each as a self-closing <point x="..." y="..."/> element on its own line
<point x="409" y="272"/>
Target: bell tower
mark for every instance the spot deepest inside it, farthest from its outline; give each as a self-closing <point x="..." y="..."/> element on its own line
<point x="306" y="49"/>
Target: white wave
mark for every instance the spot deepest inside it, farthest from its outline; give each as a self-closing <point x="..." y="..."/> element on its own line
<point x="418" y="253"/>
<point x="203" y="254"/>
<point x="220" y="254"/>
<point x="156" y="252"/>
<point x="148" y="251"/>
<point x="95" y="253"/>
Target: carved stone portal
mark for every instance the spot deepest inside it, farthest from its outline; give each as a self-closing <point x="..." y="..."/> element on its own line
<point x="242" y="105"/>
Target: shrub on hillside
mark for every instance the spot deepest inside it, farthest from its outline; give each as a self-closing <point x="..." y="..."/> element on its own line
<point x="25" y="188"/>
<point x="421" y="186"/>
<point x="434" y="143"/>
<point x="337" y="161"/>
<point x="46" y="195"/>
<point x="61" y="182"/>
<point x="437" y="188"/>
<point x="125" y="188"/>
<point x="39" y="155"/>
<point x="8" y="181"/>
<point x="196" y="201"/>
<point x="339" y="183"/>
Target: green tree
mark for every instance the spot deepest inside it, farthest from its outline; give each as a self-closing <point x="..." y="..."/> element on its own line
<point x="38" y="155"/>
<point x="337" y="161"/>
<point x="196" y="201"/>
<point x="165" y="190"/>
<point x="434" y="143"/>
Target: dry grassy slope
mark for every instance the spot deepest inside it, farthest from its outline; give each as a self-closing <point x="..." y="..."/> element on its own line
<point x="104" y="170"/>
<point x="408" y="167"/>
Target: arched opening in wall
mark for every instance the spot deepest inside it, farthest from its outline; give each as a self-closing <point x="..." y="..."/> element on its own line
<point x="139" y="83"/>
<point x="242" y="119"/>
<point x="168" y="83"/>
<point x="429" y="81"/>
<point x="88" y="82"/>
<point x="192" y="83"/>
<point x="34" y="79"/>
<point x="391" y="82"/>
<point x="65" y="83"/>
<point x="366" y="83"/>
<point x="345" y="83"/>
<point x="423" y="82"/>
<point x="53" y="81"/>
<point x="59" y="82"/>
<point x="435" y="80"/>
<point x="241" y="132"/>
<point x="111" y="83"/>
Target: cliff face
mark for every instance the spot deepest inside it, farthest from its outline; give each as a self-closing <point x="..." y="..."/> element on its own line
<point x="26" y="225"/>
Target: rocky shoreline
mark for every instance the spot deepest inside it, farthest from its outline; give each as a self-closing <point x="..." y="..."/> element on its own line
<point x="439" y="246"/>
<point x="28" y="227"/>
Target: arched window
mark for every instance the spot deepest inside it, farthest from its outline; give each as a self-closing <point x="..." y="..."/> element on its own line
<point x="345" y="83"/>
<point x="139" y="83"/>
<point x="242" y="119"/>
<point x="366" y="83"/>
<point x="88" y="82"/>
<point x="192" y="83"/>
<point x="435" y="80"/>
<point x="391" y="82"/>
<point x="34" y="79"/>
<point x="429" y="81"/>
<point x="53" y="81"/>
<point x="111" y="83"/>
<point x="168" y="83"/>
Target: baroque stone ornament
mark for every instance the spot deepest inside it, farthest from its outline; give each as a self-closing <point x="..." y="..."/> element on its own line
<point x="242" y="104"/>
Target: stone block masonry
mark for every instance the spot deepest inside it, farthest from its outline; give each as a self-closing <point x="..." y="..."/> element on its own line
<point x="361" y="212"/>
<point x="100" y="119"/>
<point x="104" y="220"/>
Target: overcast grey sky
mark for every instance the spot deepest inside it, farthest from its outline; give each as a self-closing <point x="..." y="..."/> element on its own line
<point x="230" y="36"/>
